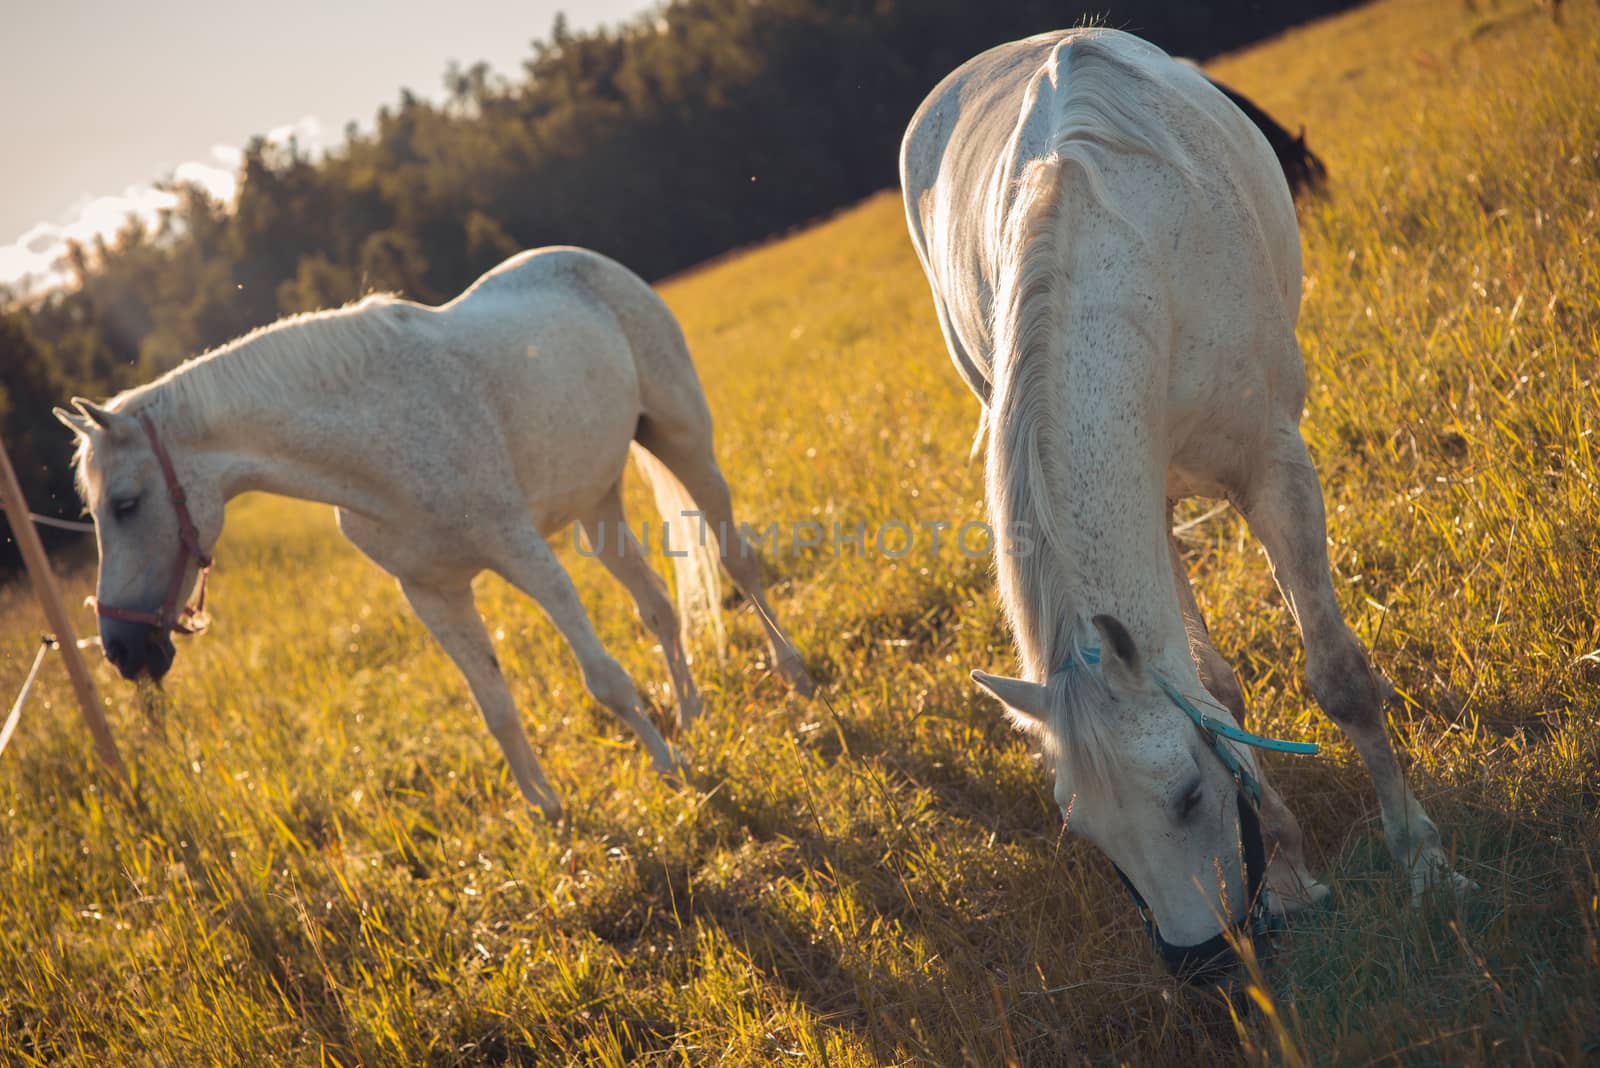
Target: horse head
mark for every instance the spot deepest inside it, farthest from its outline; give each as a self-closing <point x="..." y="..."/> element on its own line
<point x="154" y="514"/>
<point x="1164" y="800"/>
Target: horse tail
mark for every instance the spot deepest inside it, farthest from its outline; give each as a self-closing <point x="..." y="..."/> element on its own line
<point x="696" y="566"/>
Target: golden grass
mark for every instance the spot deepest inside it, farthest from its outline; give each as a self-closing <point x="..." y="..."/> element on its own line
<point x="330" y="866"/>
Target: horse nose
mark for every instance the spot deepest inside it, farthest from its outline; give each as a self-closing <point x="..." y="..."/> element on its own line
<point x="1220" y="961"/>
<point x="127" y="646"/>
<point x="159" y="653"/>
<point x="1217" y="961"/>
<point x="121" y="659"/>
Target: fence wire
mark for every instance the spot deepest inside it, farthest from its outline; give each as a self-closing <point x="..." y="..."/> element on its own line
<point x="63" y="524"/>
<point x="46" y="642"/>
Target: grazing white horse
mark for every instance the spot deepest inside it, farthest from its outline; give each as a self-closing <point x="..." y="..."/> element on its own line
<point x="1115" y="263"/>
<point x="452" y="440"/>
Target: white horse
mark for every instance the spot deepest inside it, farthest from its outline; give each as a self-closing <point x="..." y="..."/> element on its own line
<point x="1115" y="263"/>
<point x="452" y="440"/>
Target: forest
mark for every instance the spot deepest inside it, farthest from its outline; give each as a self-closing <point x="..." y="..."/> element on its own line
<point x="696" y="128"/>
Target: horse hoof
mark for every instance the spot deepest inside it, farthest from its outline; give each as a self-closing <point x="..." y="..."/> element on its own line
<point x="675" y="769"/>
<point x="1315" y="895"/>
<point x="1441" y="878"/>
<point x="550" y="809"/>
<point x="799" y="678"/>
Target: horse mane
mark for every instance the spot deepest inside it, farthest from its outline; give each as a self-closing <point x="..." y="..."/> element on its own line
<point x="1039" y="588"/>
<point x="309" y="352"/>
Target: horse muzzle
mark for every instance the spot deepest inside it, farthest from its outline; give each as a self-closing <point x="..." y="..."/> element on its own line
<point x="136" y="649"/>
<point x="1216" y="959"/>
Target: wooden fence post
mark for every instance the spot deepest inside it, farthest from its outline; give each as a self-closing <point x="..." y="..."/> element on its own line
<point x="49" y="594"/>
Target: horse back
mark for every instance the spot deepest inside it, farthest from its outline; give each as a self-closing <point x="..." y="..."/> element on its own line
<point x="543" y="339"/>
<point x="1209" y="228"/>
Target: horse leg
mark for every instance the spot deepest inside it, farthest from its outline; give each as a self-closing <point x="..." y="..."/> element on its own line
<point x="1216" y="674"/>
<point x="1283" y="506"/>
<point x="1291" y="882"/>
<point x="525" y="561"/>
<point x="624" y="558"/>
<point x="451" y="616"/>
<point x="689" y="458"/>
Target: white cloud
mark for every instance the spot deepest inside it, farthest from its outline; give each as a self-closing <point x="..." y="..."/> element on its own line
<point x="29" y="264"/>
<point x="219" y="182"/>
<point x="227" y="155"/>
<point x="307" y="132"/>
<point x="29" y="261"/>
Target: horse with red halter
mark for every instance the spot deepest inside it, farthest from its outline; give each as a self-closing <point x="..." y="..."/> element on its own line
<point x="452" y="440"/>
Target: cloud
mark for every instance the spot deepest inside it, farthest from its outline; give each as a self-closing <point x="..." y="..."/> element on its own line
<point x="30" y="263"/>
<point x="219" y="178"/>
<point x="307" y="132"/>
<point x="227" y="155"/>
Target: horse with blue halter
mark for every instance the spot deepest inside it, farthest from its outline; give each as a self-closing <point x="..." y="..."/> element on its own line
<point x="452" y="440"/>
<point x="1115" y="266"/>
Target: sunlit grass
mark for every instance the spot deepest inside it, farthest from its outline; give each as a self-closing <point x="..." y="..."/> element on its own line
<point x="330" y="865"/>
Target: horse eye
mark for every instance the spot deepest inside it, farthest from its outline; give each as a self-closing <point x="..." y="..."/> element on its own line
<point x="124" y="507"/>
<point x="1190" y="801"/>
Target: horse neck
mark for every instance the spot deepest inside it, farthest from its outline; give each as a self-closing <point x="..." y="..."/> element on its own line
<point x="313" y="452"/>
<point x="1090" y="493"/>
<point x="301" y="439"/>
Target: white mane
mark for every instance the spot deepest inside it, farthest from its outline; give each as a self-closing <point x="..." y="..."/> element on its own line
<point x="312" y="351"/>
<point x="1039" y="588"/>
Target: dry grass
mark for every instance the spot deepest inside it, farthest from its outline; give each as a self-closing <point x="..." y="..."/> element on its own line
<point x="330" y="866"/>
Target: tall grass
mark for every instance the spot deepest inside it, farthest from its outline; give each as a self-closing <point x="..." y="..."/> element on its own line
<point x="328" y="864"/>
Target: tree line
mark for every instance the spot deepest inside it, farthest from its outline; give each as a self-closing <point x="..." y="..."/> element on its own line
<point x="690" y="130"/>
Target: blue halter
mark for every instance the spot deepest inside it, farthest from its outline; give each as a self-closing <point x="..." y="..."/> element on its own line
<point x="1214" y="730"/>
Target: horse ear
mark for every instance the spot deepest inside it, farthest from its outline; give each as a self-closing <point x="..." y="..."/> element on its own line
<point x="94" y="413"/>
<point x="113" y="423"/>
<point x="1122" y="659"/>
<point x="78" y="424"/>
<point x="1026" y="702"/>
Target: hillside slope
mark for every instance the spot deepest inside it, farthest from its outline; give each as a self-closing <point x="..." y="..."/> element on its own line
<point x="331" y="866"/>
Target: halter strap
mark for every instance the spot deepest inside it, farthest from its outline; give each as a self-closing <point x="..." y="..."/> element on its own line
<point x="1213" y="729"/>
<point x="191" y="619"/>
<point x="1228" y="730"/>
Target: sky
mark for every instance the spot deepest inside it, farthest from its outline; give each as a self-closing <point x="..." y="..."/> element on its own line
<point x="99" y="100"/>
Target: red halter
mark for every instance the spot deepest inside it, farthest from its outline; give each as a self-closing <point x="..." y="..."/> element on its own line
<point x="191" y="619"/>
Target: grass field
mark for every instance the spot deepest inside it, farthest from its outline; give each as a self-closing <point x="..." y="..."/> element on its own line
<point x="330" y="865"/>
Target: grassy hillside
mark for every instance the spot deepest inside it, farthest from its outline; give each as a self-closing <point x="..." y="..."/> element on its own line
<point x="331" y="866"/>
